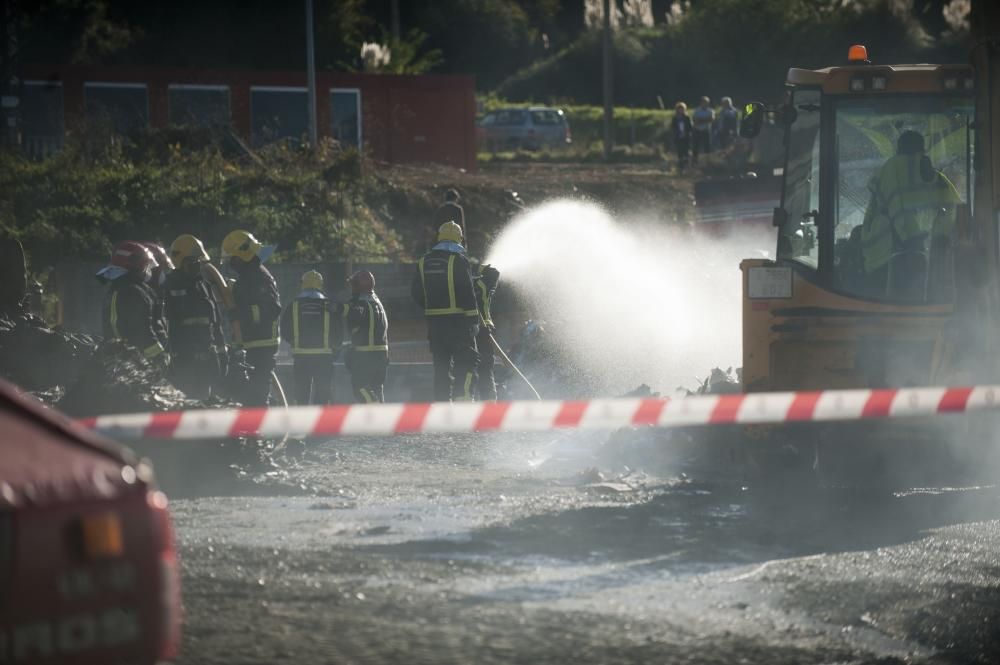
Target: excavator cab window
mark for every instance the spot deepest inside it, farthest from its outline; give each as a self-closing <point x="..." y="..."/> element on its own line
<point x="797" y="218"/>
<point x="901" y="170"/>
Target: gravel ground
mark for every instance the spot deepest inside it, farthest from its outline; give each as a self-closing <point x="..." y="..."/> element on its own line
<point x="534" y="549"/>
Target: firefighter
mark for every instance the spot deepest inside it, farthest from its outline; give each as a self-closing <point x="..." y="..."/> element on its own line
<point x="255" y="313"/>
<point x="911" y="201"/>
<point x="164" y="266"/>
<point x="451" y="211"/>
<point x="313" y="325"/>
<point x="443" y="286"/>
<point x="368" y="326"/>
<point x="194" y="332"/>
<point x="486" y="282"/>
<point x="129" y="311"/>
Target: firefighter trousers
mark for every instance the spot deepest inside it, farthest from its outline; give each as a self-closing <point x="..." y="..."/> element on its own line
<point x="368" y="370"/>
<point x="197" y="375"/>
<point x="261" y="362"/>
<point x="453" y="347"/>
<point x="313" y="377"/>
<point x="486" y="385"/>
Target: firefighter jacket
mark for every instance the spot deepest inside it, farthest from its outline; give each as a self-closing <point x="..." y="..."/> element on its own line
<point x="257" y="307"/>
<point x="486" y="286"/>
<point x="129" y="315"/>
<point x="442" y="284"/>
<point x="367" y="323"/>
<point x="312" y="324"/>
<point x="909" y="199"/>
<point x="192" y="314"/>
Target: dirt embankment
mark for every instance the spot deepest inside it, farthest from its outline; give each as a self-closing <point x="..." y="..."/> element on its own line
<point x="496" y="192"/>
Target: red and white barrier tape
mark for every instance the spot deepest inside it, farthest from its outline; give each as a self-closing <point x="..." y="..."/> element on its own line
<point x="597" y="414"/>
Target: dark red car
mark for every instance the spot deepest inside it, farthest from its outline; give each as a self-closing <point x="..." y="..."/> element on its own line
<point x="88" y="570"/>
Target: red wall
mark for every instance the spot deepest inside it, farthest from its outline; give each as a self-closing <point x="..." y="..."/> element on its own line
<point x="405" y="119"/>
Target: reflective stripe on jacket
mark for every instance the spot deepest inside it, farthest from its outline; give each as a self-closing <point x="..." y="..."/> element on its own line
<point x="129" y="316"/>
<point x="443" y="286"/>
<point x="485" y="288"/>
<point x="312" y="325"/>
<point x="192" y="314"/>
<point x="367" y="323"/>
<point x="257" y="307"/>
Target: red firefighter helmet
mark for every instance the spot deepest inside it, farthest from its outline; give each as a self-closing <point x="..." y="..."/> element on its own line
<point x="128" y="257"/>
<point x="362" y="282"/>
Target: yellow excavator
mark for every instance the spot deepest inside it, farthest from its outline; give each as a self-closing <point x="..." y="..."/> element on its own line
<point x="886" y="266"/>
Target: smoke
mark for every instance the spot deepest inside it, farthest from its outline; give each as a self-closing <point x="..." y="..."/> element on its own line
<point x="641" y="303"/>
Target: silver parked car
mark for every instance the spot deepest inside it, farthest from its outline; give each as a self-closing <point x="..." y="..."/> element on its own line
<point x="529" y="128"/>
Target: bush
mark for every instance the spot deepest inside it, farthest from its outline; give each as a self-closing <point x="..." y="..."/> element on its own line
<point x="313" y="207"/>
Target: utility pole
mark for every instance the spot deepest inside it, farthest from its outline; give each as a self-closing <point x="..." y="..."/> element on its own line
<point x="607" y="82"/>
<point x="311" y="76"/>
<point x="394" y="19"/>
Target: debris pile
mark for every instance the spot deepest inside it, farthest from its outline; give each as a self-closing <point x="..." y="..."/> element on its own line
<point x="40" y="359"/>
<point x="119" y="379"/>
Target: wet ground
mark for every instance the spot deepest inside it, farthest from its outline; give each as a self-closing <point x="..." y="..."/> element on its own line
<point x="558" y="549"/>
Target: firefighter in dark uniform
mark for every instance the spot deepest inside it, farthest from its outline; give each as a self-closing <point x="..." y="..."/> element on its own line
<point x="443" y="286"/>
<point x="255" y="313"/>
<point x="368" y="354"/>
<point x="129" y="311"/>
<point x="193" y="321"/>
<point x="164" y="266"/>
<point x="312" y="324"/>
<point x="486" y="285"/>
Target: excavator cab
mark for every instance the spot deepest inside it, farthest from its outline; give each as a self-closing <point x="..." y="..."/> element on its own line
<point x="877" y="182"/>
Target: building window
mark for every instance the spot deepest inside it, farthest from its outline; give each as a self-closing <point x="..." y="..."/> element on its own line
<point x="345" y="116"/>
<point x="278" y="114"/>
<point x="41" y="117"/>
<point x="122" y="107"/>
<point x="198" y="105"/>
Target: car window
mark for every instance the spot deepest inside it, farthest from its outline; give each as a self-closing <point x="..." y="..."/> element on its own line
<point x="488" y="120"/>
<point x="511" y="117"/>
<point x="546" y="117"/>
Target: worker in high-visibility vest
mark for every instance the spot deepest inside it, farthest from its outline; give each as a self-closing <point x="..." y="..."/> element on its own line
<point x="129" y="311"/>
<point x="486" y="285"/>
<point x="911" y="201"/>
<point x="313" y="325"/>
<point x="368" y="354"/>
<point x="255" y="313"/>
<point x="193" y="318"/>
<point x="443" y="286"/>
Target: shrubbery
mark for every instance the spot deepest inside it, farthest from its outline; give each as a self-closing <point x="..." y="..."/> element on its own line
<point x="77" y="204"/>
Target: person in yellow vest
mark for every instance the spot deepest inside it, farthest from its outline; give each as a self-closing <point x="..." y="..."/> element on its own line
<point x="486" y="285"/>
<point x="368" y="354"/>
<point x="255" y="313"/>
<point x="911" y="201"/>
<point x="312" y="325"/>
<point x="443" y="286"/>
